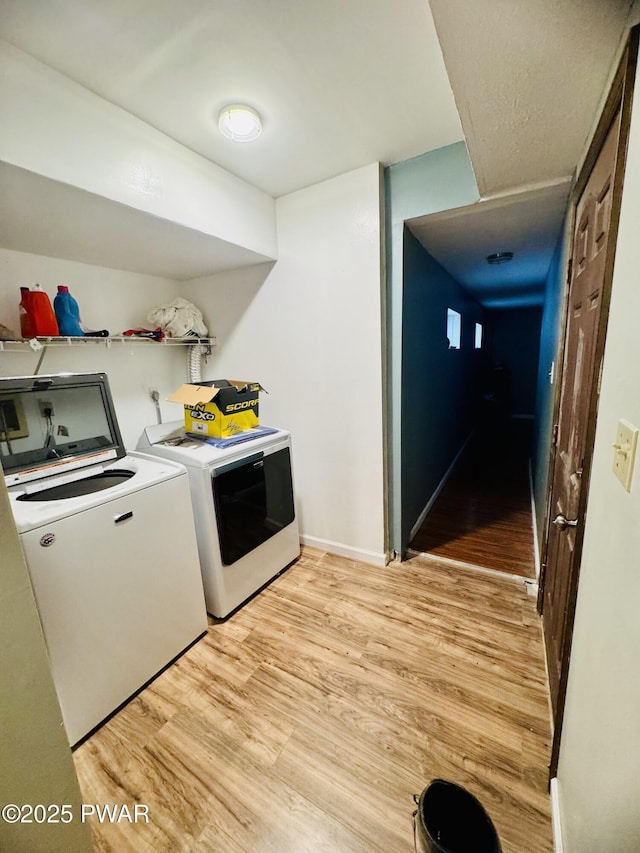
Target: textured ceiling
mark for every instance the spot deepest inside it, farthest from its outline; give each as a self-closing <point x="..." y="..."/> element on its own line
<point x="528" y="78"/>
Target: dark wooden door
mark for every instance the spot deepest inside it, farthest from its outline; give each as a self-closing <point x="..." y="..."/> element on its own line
<point x="580" y="375"/>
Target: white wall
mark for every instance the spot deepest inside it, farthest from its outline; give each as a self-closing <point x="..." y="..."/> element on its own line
<point x="309" y="329"/>
<point x="599" y="768"/>
<point x="311" y="333"/>
<point x="111" y="299"/>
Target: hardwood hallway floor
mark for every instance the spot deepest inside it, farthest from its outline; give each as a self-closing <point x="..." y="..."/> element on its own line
<point x="482" y="516"/>
<point x="308" y="719"/>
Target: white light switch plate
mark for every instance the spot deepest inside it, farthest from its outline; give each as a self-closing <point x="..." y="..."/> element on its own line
<point x="624" y="455"/>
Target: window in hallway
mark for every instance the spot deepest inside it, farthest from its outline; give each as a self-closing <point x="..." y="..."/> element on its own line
<point x="453" y="328"/>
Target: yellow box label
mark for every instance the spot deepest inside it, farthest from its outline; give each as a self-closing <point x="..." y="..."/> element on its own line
<point x="207" y="419"/>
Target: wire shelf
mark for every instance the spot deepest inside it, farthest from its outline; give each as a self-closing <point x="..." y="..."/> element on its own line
<point x="36" y="344"/>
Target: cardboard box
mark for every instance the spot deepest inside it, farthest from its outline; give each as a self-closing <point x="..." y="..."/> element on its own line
<point x="219" y="408"/>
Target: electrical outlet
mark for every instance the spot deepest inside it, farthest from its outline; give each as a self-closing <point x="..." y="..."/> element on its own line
<point x="624" y="455"/>
<point x="46" y="409"/>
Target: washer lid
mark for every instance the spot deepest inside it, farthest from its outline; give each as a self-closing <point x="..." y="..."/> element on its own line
<point x="56" y="423"/>
<point x="33" y="513"/>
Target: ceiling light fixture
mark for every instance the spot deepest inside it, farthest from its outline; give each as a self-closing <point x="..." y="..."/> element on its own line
<point x="239" y="123"/>
<point x="500" y="258"/>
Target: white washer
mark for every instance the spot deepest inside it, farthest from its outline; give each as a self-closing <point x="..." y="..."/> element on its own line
<point x="109" y="541"/>
<point x="117" y="584"/>
<point x="243" y="506"/>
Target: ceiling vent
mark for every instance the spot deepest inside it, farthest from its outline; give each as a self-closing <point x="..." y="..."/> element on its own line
<point x="500" y="258"/>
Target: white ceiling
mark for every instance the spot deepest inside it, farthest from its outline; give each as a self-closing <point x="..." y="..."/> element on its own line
<point x="338" y="84"/>
<point x="343" y="84"/>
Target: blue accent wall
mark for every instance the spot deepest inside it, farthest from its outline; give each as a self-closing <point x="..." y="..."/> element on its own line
<point x="549" y="340"/>
<point x="436" y="181"/>
<point x="439" y="180"/>
<point x="439" y="385"/>
<point x="513" y="340"/>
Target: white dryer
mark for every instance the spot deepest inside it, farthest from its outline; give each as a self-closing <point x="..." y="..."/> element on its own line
<point x="243" y="505"/>
<point x="109" y="541"/>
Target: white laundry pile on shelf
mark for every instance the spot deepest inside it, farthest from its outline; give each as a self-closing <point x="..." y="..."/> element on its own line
<point x="178" y="318"/>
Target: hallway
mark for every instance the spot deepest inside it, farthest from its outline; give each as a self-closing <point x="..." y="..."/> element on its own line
<point x="482" y="516"/>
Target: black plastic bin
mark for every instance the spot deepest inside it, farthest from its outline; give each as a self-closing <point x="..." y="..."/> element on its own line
<point x="451" y="820"/>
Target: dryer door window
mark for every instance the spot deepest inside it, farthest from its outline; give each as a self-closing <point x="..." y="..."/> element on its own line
<point x="254" y="500"/>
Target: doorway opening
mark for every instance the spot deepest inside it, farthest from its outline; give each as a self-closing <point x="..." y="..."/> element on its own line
<point x="483" y="514"/>
<point x="484" y="414"/>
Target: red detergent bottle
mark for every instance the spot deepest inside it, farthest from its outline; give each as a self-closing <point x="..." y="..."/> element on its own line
<point x="40" y="310"/>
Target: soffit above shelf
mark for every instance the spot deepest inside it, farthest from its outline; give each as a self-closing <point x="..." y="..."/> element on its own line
<point x="46" y="217"/>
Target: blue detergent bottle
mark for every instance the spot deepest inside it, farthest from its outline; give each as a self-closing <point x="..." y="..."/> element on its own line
<point x="67" y="313"/>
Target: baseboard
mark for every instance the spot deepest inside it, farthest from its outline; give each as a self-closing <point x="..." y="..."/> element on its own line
<point x="375" y="558"/>
<point x="534" y="523"/>
<point x="439" y="488"/>
<point x="555" y="816"/>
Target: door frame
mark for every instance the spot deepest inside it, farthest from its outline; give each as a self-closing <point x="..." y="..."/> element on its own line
<point x="620" y="96"/>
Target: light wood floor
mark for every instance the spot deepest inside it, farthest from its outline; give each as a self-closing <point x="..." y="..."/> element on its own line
<point x="483" y="514"/>
<point x="308" y="719"/>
